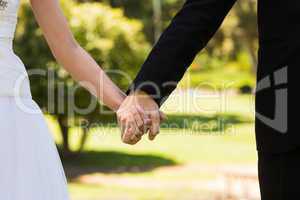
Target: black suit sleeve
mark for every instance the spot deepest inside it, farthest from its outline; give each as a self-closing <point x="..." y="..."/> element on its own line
<point x="188" y="33"/>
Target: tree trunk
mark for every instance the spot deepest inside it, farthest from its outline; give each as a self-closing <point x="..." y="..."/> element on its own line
<point x="83" y="140"/>
<point x="157" y="18"/>
<point x="63" y="124"/>
<point x="253" y="56"/>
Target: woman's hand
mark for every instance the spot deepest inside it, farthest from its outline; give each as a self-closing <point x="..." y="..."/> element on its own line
<point x="133" y="122"/>
<point x="137" y="114"/>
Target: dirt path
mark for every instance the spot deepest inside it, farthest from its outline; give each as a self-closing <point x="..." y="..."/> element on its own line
<point x="238" y="180"/>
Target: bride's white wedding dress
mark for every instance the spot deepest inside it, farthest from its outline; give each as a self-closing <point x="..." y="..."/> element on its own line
<point x="30" y="168"/>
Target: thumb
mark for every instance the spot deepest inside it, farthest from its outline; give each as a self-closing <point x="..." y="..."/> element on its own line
<point x="163" y="116"/>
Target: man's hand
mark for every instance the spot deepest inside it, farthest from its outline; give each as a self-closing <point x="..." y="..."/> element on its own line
<point x="138" y="114"/>
<point x="132" y="120"/>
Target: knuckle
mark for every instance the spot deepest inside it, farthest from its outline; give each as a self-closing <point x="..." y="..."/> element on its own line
<point x="155" y="117"/>
<point x="140" y="125"/>
<point x="127" y="141"/>
<point x="123" y="120"/>
<point x="140" y="122"/>
<point x="124" y="141"/>
<point x="118" y="116"/>
<point x="135" y="112"/>
<point x="136" y="115"/>
<point x="130" y="143"/>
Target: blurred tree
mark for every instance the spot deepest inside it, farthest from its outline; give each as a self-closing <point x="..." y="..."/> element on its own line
<point x="147" y="11"/>
<point x="247" y="13"/>
<point x="238" y="33"/>
<point x="116" y="42"/>
<point x="157" y="20"/>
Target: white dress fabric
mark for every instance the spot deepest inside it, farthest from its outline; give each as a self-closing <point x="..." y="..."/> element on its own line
<point x="30" y="168"/>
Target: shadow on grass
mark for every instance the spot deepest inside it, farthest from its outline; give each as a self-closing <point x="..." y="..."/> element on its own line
<point x="182" y="121"/>
<point x="218" y="122"/>
<point x="112" y="162"/>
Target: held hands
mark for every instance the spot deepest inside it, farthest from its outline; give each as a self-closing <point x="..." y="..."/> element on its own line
<point x="137" y="115"/>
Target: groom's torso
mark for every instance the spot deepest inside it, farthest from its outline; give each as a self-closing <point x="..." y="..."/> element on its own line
<point x="279" y="59"/>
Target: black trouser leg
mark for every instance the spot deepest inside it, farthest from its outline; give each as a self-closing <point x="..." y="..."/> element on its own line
<point x="279" y="175"/>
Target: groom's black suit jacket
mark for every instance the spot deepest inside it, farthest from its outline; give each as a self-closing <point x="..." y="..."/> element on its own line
<point x="279" y="55"/>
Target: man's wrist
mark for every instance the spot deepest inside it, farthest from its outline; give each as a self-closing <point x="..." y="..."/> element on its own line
<point x="152" y="90"/>
<point x="140" y="94"/>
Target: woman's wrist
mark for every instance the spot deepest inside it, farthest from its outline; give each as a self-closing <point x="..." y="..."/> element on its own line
<point x="117" y="101"/>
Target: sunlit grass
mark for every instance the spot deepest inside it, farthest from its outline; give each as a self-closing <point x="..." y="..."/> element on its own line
<point x="95" y="192"/>
<point x="185" y="155"/>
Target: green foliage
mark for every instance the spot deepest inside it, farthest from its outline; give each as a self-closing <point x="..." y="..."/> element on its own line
<point x="143" y="11"/>
<point x="237" y="34"/>
<point x="115" y="41"/>
<point x="234" y="45"/>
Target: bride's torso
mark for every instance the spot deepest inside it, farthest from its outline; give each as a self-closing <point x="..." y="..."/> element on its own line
<point x="13" y="77"/>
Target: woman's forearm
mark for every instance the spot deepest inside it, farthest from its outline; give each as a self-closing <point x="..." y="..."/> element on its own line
<point x="87" y="72"/>
<point x="71" y="56"/>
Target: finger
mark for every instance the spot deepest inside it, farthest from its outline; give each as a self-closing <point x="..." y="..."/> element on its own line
<point x="122" y="123"/>
<point x="146" y="119"/>
<point x="132" y="133"/>
<point x="139" y="121"/>
<point x="130" y="138"/>
<point x="135" y="138"/>
<point x="138" y="124"/>
<point x="154" y="129"/>
<point x="128" y="131"/>
<point x="126" y="135"/>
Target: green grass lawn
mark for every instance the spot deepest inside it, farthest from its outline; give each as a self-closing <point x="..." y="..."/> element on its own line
<point x="224" y="78"/>
<point x="206" y="134"/>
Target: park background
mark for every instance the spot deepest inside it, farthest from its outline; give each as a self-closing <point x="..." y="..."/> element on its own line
<point x="206" y="149"/>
